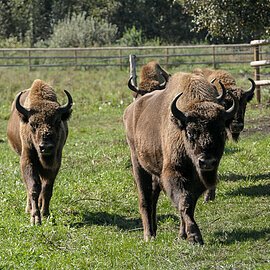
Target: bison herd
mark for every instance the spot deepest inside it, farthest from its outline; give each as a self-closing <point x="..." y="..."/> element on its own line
<point x="176" y="129"/>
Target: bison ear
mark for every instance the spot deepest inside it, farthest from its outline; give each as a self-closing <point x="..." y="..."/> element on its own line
<point x="66" y="115"/>
<point x="23" y="118"/>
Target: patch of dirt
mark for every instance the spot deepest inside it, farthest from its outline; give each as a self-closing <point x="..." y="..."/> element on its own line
<point x="260" y="124"/>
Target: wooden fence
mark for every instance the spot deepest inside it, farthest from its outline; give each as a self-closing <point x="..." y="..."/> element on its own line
<point x="217" y="56"/>
<point x="259" y="76"/>
<point x="211" y="55"/>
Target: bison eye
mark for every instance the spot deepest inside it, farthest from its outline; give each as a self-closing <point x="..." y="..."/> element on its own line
<point x="57" y="122"/>
<point x="33" y="126"/>
<point x="191" y="135"/>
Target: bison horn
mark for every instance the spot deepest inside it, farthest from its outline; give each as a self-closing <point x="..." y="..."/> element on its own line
<point x="134" y="88"/>
<point x="212" y="81"/>
<point x="221" y="97"/>
<point x="249" y="93"/>
<point x="234" y="108"/>
<point x="162" y="85"/>
<point x="176" y="112"/>
<point x="65" y="108"/>
<point x="25" y="112"/>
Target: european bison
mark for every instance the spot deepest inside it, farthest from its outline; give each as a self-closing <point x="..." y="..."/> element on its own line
<point x="37" y="130"/>
<point x="235" y="125"/>
<point x="152" y="77"/>
<point x="180" y="141"/>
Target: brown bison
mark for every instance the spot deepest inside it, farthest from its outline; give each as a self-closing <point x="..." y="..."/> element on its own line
<point x="235" y="125"/>
<point x="37" y="130"/>
<point x="152" y="77"/>
<point x="179" y="141"/>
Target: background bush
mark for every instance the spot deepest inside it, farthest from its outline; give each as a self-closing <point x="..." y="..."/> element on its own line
<point x="82" y="31"/>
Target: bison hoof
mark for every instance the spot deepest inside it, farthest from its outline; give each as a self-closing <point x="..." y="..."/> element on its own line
<point x="209" y="195"/>
<point x="36" y="220"/>
<point x="182" y="234"/>
<point x="195" y="239"/>
<point x="148" y="238"/>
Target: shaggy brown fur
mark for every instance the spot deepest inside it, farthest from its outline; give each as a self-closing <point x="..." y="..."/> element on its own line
<point x="37" y="131"/>
<point x="152" y="76"/>
<point x="178" y="153"/>
<point x="236" y="125"/>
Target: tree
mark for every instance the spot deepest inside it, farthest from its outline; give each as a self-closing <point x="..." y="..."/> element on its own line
<point x="230" y="21"/>
<point x="162" y="19"/>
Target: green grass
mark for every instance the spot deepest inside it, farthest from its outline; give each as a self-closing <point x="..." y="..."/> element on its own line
<point x="95" y="222"/>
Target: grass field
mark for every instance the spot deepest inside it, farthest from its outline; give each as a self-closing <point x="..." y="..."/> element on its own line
<point x="95" y="222"/>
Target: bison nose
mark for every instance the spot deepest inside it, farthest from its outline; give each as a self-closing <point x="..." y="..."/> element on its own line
<point x="46" y="149"/>
<point x="207" y="164"/>
<point x="237" y="127"/>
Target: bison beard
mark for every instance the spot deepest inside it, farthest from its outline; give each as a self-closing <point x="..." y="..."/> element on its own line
<point x="37" y="131"/>
<point x="180" y="149"/>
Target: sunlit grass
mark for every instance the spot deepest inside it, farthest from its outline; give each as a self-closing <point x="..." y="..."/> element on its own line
<point x="95" y="222"/>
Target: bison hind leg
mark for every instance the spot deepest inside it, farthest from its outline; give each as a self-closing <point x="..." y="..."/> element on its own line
<point x="28" y="207"/>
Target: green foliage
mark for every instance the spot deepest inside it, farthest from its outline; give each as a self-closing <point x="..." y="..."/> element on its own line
<point x="230" y="21"/>
<point x="82" y="31"/>
<point x="12" y="42"/>
<point x="131" y="37"/>
<point x="95" y="221"/>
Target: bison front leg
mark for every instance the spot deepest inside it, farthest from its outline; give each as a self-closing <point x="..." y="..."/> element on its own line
<point x="155" y="195"/>
<point x="33" y="187"/>
<point x="144" y="187"/>
<point x="185" y="204"/>
<point x="189" y="229"/>
<point x="210" y="195"/>
<point x="45" y="197"/>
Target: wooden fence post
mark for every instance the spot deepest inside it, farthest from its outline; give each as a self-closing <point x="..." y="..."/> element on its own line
<point x="29" y="60"/>
<point x="257" y="72"/>
<point x="167" y="57"/>
<point x="75" y="58"/>
<point x="132" y="68"/>
<point x="120" y="59"/>
<point x="214" y="57"/>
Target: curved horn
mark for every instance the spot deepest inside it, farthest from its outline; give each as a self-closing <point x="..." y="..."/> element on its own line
<point x="223" y="93"/>
<point x="234" y="108"/>
<point x="162" y="86"/>
<point x="250" y="91"/>
<point x="136" y="89"/>
<point x="25" y="112"/>
<point x="213" y="80"/>
<point x="65" y="108"/>
<point x="176" y="112"/>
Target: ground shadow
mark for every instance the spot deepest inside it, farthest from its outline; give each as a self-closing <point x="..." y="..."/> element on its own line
<point x="242" y="235"/>
<point x="252" y="191"/>
<point x="236" y="177"/>
<point x="231" y="150"/>
<point x="123" y="223"/>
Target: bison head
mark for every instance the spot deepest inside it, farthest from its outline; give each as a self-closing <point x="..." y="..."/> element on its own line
<point x="203" y="126"/>
<point x="141" y="92"/>
<point x="236" y="124"/>
<point x="45" y="122"/>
